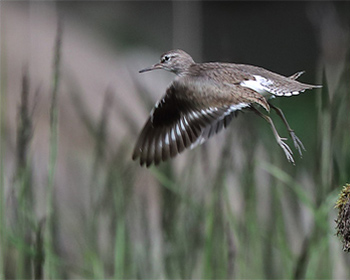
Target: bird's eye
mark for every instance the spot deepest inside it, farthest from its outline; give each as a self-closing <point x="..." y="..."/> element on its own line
<point x="165" y="58"/>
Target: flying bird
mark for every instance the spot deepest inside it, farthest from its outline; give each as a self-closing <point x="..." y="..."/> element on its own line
<point x="204" y="98"/>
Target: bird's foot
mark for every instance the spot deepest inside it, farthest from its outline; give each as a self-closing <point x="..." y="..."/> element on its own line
<point x="297" y="143"/>
<point x="287" y="151"/>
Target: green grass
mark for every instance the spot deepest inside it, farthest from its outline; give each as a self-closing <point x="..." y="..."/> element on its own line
<point x="256" y="219"/>
<point x="2" y="167"/>
<point x="50" y="267"/>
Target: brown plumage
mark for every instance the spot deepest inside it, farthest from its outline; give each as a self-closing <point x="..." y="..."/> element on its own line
<point x="203" y="99"/>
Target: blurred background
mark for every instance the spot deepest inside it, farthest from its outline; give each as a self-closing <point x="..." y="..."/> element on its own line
<point x="74" y="205"/>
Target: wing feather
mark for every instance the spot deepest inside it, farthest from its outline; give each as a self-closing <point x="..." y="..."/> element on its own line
<point x="177" y="123"/>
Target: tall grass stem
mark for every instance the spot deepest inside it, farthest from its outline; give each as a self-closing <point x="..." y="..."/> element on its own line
<point x="49" y="268"/>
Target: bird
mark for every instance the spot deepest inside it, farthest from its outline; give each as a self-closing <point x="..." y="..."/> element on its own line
<point x="204" y="98"/>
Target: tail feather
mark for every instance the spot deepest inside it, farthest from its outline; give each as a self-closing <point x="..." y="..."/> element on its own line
<point x="296" y="75"/>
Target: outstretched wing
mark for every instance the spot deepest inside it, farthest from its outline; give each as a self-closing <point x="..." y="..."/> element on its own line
<point x="180" y="120"/>
<point x="266" y="82"/>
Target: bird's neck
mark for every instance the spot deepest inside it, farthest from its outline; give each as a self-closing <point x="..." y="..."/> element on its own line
<point x="184" y="69"/>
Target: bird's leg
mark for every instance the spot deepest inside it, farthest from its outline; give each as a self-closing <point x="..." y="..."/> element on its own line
<point x="288" y="152"/>
<point x="297" y="143"/>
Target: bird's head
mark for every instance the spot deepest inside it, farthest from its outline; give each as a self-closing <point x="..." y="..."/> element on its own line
<point x="176" y="61"/>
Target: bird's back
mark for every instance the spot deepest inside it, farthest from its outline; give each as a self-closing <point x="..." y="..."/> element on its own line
<point x="253" y="77"/>
<point x="217" y="85"/>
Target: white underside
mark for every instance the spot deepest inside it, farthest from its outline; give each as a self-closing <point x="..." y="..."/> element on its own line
<point x="260" y="85"/>
<point x="266" y="87"/>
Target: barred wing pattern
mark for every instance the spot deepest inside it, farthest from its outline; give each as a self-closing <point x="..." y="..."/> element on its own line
<point x="178" y="123"/>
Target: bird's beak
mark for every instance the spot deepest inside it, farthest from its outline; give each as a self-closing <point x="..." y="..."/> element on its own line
<point x="153" y="67"/>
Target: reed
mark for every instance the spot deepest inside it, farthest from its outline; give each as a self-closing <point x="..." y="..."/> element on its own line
<point x="50" y="268"/>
